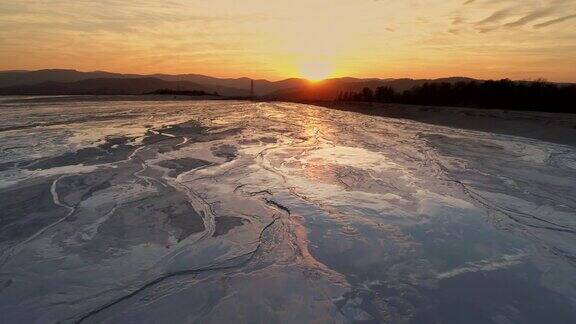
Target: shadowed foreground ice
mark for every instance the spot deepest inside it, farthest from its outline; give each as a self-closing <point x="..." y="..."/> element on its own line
<point x="226" y="212"/>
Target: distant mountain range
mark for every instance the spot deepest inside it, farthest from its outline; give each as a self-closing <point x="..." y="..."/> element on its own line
<point x="115" y="86"/>
<point x="330" y="89"/>
<point x="72" y="82"/>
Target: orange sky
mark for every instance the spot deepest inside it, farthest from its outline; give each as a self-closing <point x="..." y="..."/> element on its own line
<point x="518" y="39"/>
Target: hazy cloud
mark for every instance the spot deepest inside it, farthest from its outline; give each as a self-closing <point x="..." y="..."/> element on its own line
<point x="517" y="13"/>
<point x="458" y="20"/>
<point x="555" y="21"/>
<point x="542" y="13"/>
<point x="496" y="17"/>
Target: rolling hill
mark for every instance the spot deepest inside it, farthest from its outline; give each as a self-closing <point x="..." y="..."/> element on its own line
<point x="115" y="86"/>
<point x="62" y="81"/>
<point x="329" y="89"/>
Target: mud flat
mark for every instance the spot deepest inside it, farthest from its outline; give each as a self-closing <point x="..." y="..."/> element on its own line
<point x="230" y="211"/>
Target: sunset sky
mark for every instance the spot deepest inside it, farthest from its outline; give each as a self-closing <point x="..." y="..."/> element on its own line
<point x="518" y="39"/>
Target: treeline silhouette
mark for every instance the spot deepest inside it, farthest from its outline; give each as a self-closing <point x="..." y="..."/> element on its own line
<point x="501" y="94"/>
<point x="182" y="92"/>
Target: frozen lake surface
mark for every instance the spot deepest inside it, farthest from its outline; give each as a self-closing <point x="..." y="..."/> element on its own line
<point x="230" y="211"/>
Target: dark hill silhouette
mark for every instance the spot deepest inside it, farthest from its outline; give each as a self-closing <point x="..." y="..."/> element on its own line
<point x="115" y="86"/>
<point x="454" y="91"/>
<point x="261" y="86"/>
<point x="19" y="77"/>
<point x="280" y="89"/>
<point x="330" y="89"/>
<point x="22" y="78"/>
<point x="13" y="78"/>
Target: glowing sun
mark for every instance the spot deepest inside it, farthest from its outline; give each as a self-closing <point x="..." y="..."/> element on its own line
<point x="315" y="71"/>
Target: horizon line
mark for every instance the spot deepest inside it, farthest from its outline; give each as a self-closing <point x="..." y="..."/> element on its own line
<point x="286" y="78"/>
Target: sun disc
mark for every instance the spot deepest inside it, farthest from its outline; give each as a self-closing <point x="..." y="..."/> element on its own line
<point x="315" y="71"/>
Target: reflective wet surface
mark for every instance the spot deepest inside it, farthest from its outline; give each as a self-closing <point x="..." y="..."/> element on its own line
<point x="230" y="211"/>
